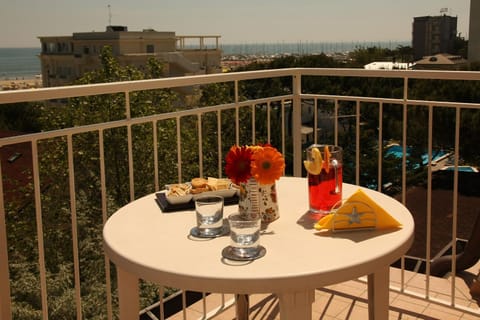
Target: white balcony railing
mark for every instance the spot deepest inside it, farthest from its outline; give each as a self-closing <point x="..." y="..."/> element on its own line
<point x="333" y="116"/>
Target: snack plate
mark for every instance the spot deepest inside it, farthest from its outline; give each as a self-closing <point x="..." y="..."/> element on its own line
<point x="226" y="193"/>
<point x="166" y="207"/>
<point x="177" y="199"/>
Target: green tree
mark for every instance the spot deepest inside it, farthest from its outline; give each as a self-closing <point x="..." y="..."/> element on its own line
<point x="19" y="117"/>
<point x="54" y="177"/>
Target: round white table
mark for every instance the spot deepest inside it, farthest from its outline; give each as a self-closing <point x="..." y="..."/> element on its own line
<point x="146" y="243"/>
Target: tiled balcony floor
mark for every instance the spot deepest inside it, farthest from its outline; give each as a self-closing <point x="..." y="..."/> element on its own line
<point x="348" y="300"/>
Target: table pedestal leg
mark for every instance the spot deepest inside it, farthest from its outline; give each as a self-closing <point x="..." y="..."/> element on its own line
<point x="128" y="300"/>
<point x="296" y="305"/>
<point x="378" y="299"/>
<point x="242" y="306"/>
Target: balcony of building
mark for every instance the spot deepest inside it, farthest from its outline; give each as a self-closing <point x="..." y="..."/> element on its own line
<point x="54" y="179"/>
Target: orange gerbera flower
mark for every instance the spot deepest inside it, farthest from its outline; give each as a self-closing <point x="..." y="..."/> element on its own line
<point x="267" y="165"/>
<point x="238" y="164"/>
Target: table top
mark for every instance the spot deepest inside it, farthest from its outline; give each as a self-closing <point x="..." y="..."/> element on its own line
<point x="157" y="247"/>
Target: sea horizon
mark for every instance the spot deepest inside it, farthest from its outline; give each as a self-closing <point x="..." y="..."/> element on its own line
<point x="24" y="63"/>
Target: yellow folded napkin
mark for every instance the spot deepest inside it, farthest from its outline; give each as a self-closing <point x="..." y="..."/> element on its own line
<point x="358" y="211"/>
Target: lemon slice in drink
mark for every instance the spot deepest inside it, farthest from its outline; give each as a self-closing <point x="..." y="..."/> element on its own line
<point x="314" y="166"/>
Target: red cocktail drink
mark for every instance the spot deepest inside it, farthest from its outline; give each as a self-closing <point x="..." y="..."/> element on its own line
<point x="324" y="167"/>
<point x="321" y="190"/>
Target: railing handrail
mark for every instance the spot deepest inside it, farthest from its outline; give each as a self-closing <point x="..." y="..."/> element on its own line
<point x="28" y="95"/>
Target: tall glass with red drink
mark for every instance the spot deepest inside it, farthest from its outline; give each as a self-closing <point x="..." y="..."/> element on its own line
<point x="324" y="166"/>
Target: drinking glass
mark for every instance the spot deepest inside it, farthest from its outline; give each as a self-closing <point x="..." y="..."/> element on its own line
<point x="209" y="212"/>
<point x="325" y="187"/>
<point x="244" y="236"/>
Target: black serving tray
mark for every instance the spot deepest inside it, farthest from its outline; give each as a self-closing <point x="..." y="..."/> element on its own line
<point x="166" y="206"/>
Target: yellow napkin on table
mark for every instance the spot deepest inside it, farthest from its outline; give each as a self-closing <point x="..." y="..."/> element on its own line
<point x="358" y="211"/>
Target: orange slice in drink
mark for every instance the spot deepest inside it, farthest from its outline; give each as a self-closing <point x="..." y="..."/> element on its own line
<point x="326" y="162"/>
<point x="314" y="166"/>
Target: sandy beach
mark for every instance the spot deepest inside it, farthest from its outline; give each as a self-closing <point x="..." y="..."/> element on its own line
<point x="24" y="83"/>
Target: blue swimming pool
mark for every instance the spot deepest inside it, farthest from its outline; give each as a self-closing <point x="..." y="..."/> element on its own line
<point x="461" y="168"/>
<point x="397" y="151"/>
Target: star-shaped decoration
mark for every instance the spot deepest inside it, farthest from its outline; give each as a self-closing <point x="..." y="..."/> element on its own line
<point x="355" y="216"/>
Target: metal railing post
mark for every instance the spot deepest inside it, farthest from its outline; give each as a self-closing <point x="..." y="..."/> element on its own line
<point x="5" y="299"/>
<point x="297" y="124"/>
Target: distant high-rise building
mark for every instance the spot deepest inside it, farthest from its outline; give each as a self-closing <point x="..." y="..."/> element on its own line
<point x="66" y="58"/>
<point x="474" y="32"/>
<point x="432" y="35"/>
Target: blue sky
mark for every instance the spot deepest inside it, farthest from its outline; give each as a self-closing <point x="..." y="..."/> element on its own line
<point x="239" y="21"/>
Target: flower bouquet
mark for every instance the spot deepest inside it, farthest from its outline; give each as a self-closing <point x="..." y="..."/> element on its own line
<point x="255" y="169"/>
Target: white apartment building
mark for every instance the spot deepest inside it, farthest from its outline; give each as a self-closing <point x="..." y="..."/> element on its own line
<point x="66" y="58"/>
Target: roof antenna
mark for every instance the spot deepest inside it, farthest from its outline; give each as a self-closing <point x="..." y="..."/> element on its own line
<point x="109" y="16"/>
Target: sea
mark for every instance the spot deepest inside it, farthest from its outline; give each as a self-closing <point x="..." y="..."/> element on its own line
<point x="19" y="63"/>
<point x="24" y="63"/>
